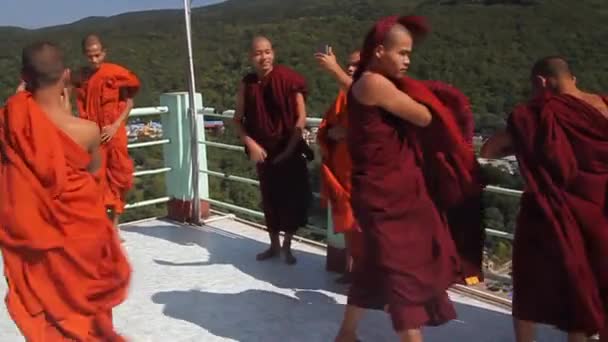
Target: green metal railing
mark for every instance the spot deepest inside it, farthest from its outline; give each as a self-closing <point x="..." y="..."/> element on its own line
<point x="165" y="114"/>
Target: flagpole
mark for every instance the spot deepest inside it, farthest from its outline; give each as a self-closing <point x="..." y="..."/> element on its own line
<point x="196" y="203"/>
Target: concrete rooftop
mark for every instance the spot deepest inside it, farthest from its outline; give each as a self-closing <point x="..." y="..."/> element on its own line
<point x="204" y="284"/>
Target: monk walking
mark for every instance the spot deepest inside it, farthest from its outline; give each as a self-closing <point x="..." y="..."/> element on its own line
<point x="105" y="94"/>
<point x="336" y="166"/>
<point x="62" y="258"/>
<point x="270" y="116"/>
<point x="410" y="259"/>
<point x="560" y="252"/>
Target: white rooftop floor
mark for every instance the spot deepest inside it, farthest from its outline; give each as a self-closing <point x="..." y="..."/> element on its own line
<point x="205" y="285"/>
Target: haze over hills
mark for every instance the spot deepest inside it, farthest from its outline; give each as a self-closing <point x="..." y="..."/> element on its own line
<point x="484" y="47"/>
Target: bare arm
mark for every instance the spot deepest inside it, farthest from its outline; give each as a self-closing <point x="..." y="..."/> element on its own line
<point x="300" y="124"/>
<point x="498" y="146"/>
<point x="329" y="63"/>
<point x="238" y="116"/>
<point x="376" y="90"/>
<point x="95" y="163"/>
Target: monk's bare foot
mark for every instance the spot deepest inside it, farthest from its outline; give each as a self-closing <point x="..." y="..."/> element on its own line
<point x="267" y="254"/>
<point x="346" y="278"/>
<point x="290" y="259"/>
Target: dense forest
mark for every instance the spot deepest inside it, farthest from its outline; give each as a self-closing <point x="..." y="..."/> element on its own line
<point x="484" y="47"/>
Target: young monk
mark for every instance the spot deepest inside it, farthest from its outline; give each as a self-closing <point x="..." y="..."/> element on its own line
<point x="560" y="254"/>
<point x="105" y="94"/>
<point x="270" y="116"/>
<point x="62" y="259"/>
<point x="336" y="166"/>
<point x="410" y="259"/>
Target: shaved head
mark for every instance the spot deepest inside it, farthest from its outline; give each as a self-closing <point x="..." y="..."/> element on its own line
<point x="396" y="34"/>
<point x="260" y="42"/>
<point x="42" y="65"/>
<point x="91" y="40"/>
<point x="552" y="66"/>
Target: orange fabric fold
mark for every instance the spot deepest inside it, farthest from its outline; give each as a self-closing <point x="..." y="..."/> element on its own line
<point x="99" y="100"/>
<point x="62" y="258"/>
<point x="336" y="167"/>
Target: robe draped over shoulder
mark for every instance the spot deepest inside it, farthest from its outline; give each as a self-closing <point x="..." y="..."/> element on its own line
<point x="560" y="257"/>
<point x="100" y="99"/>
<point x="269" y="118"/>
<point x="63" y="262"/>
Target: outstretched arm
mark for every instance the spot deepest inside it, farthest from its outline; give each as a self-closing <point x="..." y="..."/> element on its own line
<point x="376" y="90"/>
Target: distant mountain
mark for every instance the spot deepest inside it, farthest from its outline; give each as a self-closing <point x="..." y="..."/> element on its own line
<point x="484" y="47"/>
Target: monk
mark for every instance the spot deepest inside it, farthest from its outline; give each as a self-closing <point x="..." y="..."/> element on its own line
<point x="336" y="166"/>
<point x="62" y="258"/>
<point x="560" y="252"/>
<point x="410" y="259"/>
<point x="105" y="94"/>
<point x="270" y="116"/>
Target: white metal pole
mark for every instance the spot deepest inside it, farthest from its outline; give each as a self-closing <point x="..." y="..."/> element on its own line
<point x="196" y="215"/>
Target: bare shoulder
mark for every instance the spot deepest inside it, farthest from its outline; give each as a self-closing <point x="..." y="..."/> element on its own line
<point x="370" y="87"/>
<point x="85" y="132"/>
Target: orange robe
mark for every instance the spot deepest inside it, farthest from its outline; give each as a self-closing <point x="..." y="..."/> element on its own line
<point x="62" y="258"/>
<point x="336" y="171"/>
<point x="99" y="100"/>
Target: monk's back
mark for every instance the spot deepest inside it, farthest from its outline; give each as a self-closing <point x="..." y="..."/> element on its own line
<point x="385" y="171"/>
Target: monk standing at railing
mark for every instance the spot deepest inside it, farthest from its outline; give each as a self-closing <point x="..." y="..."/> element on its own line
<point x="336" y="167"/>
<point x="560" y="252"/>
<point x="105" y="94"/>
<point x="63" y="262"/>
<point x="270" y="116"/>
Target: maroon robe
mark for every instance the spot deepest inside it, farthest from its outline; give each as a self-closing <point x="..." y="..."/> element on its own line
<point x="270" y="119"/>
<point x="410" y="259"/>
<point x="560" y="257"/>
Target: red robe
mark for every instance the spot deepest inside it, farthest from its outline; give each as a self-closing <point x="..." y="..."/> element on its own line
<point x="410" y="259"/>
<point x="451" y="170"/>
<point x="99" y="100"/>
<point x="62" y="259"/>
<point x="270" y="119"/>
<point x="336" y="171"/>
<point x="560" y="256"/>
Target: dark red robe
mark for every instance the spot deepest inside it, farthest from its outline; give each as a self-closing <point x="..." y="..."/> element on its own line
<point x="560" y="257"/>
<point x="270" y="119"/>
<point x="410" y="259"/>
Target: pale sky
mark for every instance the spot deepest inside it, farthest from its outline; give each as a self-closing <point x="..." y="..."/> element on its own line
<point x="42" y="13"/>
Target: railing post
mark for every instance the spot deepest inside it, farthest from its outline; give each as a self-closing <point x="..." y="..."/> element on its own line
<point x="177" y="156"/>
<point x="336" y="251"/>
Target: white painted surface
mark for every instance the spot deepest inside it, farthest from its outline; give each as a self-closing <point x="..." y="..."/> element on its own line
<point x="205" y="285"/>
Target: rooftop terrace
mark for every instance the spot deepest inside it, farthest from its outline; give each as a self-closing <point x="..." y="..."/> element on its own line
<point x="204" y="284"/>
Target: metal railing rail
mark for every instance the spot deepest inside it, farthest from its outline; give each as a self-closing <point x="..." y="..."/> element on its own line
<point x="139" y="112"/>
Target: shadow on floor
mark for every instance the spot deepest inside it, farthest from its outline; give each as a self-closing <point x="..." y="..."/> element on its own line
<point x="231" y="249"/>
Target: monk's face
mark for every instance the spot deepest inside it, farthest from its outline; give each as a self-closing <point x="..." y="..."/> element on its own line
<point x="393" y="57"/>
<point x="95" y="54"/>
<point x="353" y="63"/>
<point x="262" y="55"/>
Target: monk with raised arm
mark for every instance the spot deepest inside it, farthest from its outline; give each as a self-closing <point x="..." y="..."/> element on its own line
<point x="105" y="94"/>
<point x="336" y="165"/>
<point x="62" y="258"/>
<point x="270" y="116"/>
<point x="410" y="259"/>
<point x="560" y="252"/>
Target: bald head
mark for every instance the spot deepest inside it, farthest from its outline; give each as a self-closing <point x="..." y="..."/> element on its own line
<point x="353" y="62"/>
<point x="398" y="33"/>
<point x="91" y="40"/>
<point x="260" y="42"/>
<point x="552" y="74"/>
<point x="42" y="65"/>
<point x="552" y="66"/>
